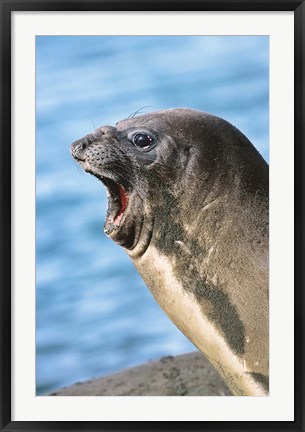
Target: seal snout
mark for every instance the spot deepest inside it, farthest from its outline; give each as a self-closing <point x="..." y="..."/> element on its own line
<point x="82" y="144"/>
<point x="77" y="148"/>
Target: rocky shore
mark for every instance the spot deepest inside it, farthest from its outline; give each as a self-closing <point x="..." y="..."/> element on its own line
<point x="184" y="375"/>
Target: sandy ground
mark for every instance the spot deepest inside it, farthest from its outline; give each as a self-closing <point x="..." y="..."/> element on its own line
<point x="183" y="375"/>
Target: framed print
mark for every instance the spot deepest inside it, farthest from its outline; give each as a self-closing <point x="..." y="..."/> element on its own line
<point x="177" y="110"/>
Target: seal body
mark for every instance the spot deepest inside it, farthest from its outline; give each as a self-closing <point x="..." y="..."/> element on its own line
<point x="188" y="200"/>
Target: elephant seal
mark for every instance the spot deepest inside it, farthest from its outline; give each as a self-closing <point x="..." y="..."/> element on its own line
<point x="188" y="200"/>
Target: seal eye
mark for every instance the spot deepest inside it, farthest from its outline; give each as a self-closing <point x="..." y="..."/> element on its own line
<point x="142" y="140"/>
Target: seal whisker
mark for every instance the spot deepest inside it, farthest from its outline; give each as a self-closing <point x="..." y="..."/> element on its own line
<point x="131" y="116"/>
<point x="79" y="168"/>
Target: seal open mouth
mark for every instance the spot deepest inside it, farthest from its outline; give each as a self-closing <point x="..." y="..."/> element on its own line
<point x="117" y="203"/>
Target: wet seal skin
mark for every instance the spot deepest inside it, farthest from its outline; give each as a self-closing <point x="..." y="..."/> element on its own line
<point x="188" y="200"/>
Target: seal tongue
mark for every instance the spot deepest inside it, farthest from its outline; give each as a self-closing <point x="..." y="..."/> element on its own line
<point x="123" y="198"/>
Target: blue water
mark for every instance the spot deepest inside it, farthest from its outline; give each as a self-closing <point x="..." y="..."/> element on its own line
<point x="94" y="314"/>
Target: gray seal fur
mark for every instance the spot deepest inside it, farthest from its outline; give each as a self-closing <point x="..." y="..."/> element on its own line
<point x="188" y="200"/>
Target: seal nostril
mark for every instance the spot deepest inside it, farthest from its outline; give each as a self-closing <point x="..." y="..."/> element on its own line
<point x="76" y="148"/>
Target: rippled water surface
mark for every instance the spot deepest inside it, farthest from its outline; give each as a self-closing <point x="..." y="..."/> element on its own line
<point x="94" y="314"/>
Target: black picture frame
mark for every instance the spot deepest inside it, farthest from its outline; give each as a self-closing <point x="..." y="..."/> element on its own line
<point x="6" y="8"/>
